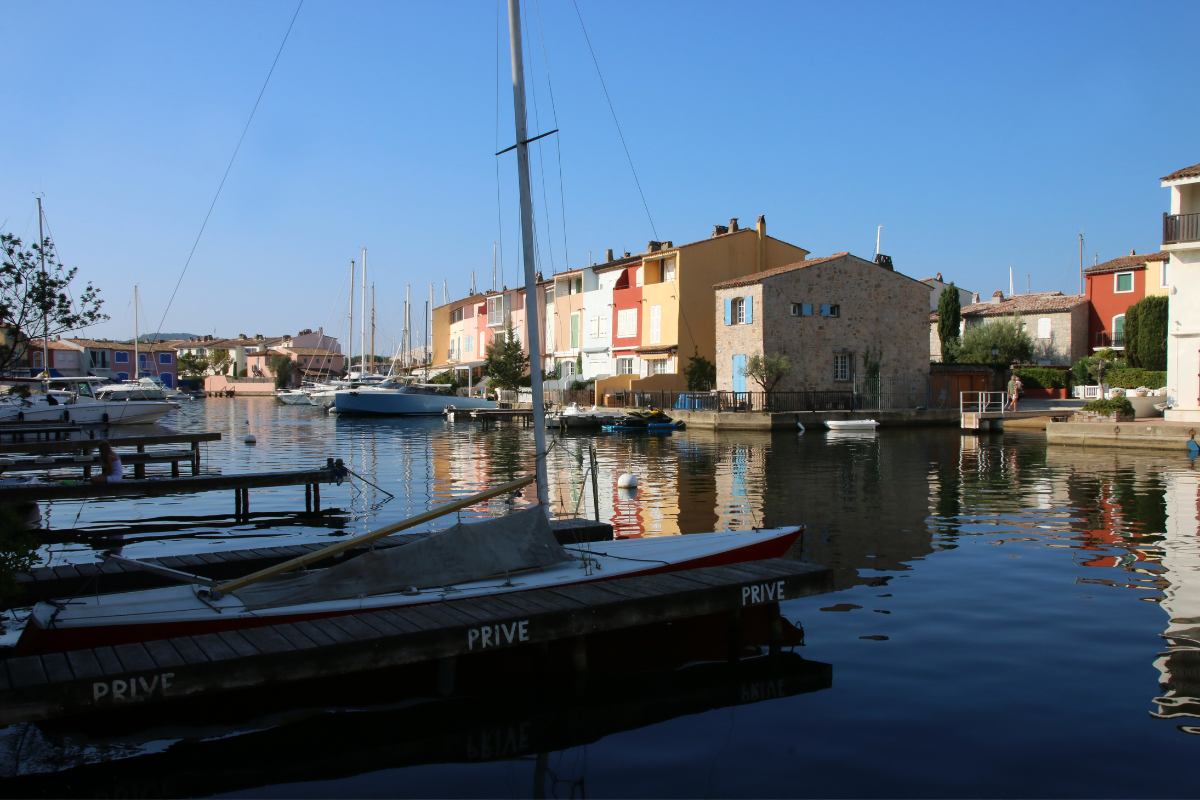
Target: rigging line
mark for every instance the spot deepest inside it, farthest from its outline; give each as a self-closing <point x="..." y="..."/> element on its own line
<point x="614" y="116"/>
<point x="541" y="161"/>
<point x="558" y="140"/>
<point x="221" y="186"/>
<point x="57" y="256"/>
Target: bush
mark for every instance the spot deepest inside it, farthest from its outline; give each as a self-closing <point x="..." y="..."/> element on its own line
<point x="1118" y="405"/>
<point x="1043" y="377"/>
<point x="449" y="378"/>
<point x="1013" y="345"/>
<point x="1133" y="378"/>
<point x="1146" y="344"/>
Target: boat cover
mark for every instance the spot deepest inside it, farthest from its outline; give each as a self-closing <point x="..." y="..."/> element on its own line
<point x="464" y="552"/>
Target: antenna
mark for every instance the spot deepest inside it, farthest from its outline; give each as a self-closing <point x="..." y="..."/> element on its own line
<point x="878" y="239"/>
<point x="445" y="294"/>
<point x="1010" y="281"/>
<point x="1081" y="262"/>
<point x="472" y="292"/>
<point x="493" y="266"/>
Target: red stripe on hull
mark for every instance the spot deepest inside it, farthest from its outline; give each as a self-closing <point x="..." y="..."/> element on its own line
<point x="36" y="640"/>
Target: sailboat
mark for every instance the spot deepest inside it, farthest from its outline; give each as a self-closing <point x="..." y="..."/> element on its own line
<point x="514" y="553"/>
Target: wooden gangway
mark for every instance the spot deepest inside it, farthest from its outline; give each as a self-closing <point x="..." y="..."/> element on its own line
<point x="35" y="453"/>
<point x="105" y="678"/>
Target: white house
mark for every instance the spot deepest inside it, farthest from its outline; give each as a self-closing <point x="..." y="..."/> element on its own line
<point x="1181" y="238"/>
<point x="965" y="298"/>
<point x="597" y="319"/>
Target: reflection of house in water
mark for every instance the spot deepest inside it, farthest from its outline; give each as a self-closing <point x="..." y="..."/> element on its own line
<point x="1180" y="665"/>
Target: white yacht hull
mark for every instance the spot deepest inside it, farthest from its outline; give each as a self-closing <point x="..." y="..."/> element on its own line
<point x="397" y="403"/>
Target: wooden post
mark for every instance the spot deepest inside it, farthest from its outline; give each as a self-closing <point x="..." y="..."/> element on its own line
<point x="174" y="469"/>
<point x="316" y="498"/>
<point x="246" y="502"/>
<point x="595" y="480"/>
<point x="87" y="471"/>
<point x="237" y="503"/>
<point x="139" y="469"/>
<point x="195" y="458"/>
<point x="308" y="498"/>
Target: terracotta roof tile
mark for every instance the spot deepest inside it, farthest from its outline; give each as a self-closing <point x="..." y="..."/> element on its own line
<point x="746" y="280"/>
<point x="103" y="344"/>
<point x="1026" y="304"/>
<point x="1187" y="172"/>
<point x="1126" y="262"/>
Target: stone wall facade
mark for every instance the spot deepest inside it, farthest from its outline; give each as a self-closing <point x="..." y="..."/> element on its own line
<point x="879" y="311"/>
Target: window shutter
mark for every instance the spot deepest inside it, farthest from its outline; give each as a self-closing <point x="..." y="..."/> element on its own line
<point x="824" y="309"/>
<point x="728" y="311"/>
<point x="806" y="309"/>
<point x="749" y="310"/>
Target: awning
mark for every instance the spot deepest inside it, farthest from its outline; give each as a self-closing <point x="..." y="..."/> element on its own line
<point x="653" y="356"/>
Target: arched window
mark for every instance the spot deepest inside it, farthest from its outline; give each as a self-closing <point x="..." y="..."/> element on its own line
<point x="1118" y="330"/>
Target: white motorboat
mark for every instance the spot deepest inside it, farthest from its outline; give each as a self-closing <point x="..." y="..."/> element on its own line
<point x="294" y="397"/>
<point x="408" y="399"/>
<point x="143" y="389"/>
<point x="852" y="424"/>
<point x="74" y="400"/>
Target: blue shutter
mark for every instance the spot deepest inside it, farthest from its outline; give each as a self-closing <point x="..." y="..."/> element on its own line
<point x="749" y="310"/>
<point x="806" y="309"/>
<point x="824" y="309"/>
<point x="739" y="373"/>
<point x="728" y="311"/>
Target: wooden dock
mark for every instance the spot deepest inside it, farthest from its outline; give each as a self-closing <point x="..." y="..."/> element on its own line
<point x="68" y="580"/>
<point x="490" y="416"/>
<point x="124" y="676"/>
<point x="81" y="449"/>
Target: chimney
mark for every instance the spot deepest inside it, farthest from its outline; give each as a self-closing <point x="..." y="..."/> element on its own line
<point x="975" y="298"/>
<point x="733" y="228"/>
<point x="939" y="278"/>
<point x="883" y="261"/>
<point x="1132" y="252"/>
<point x="719" y="230"/>
<point x="761" y="227"/>
<point x="608" y="255"/>
<point x="997" y="297"/>
<point x="653" y="247"/>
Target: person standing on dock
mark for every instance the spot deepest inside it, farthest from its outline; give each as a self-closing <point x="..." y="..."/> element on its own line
<point x="110" y="464"/>
<point x="1014" y="391"/>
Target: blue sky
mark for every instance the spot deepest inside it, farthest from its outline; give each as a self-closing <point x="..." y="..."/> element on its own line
<point x="979" y="135"/>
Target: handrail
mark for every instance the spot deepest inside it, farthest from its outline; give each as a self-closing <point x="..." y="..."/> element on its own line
<point x="355" y="541"/>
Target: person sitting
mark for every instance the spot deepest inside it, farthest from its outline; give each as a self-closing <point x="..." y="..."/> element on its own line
<point x="110" y="464"/>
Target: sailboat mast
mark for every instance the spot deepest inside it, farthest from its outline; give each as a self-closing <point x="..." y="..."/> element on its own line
<point x="362" y="326"/>
<point x="45" y="312"/>
<point x="428" y="323"/>
<point x="532" y="325"/>
<point x="372" y="328"/>
<point x="137" y="364"/>
<point x="350" y="327"/>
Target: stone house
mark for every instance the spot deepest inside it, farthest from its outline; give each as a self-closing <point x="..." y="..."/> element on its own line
<point x="825" y="315"/>
<point x="1057" y="322"/>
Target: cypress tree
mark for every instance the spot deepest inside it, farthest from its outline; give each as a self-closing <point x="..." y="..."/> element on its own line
<point x="1132" y="349"/>
<point x="949" y="322"/>
<point x="1152" y="332"/>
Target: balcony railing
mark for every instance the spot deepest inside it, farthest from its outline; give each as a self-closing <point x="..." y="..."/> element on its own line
<point x="1181" y="228"/>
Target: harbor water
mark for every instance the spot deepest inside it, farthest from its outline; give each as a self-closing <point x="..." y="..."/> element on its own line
<point x="1011" y="618"/>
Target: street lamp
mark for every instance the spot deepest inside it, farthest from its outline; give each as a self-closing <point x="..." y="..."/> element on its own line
<point x="995" y="351"/>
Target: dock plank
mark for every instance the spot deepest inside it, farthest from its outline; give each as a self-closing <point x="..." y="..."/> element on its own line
<point x="84" y="664"/>
<point x="26" y="671"/>
<point x="188" y="650"/>
<point x="333" y="632"/>
<point x="164" y="654"/>
<point x="318" y="636"/>
<point x="109" y="663"/>
<point x="238" y="643"/>
<point x="134" y="657"/>
<point x="214" y="647"/>
<point x="268" y="640"/>
<point x="292" y="635"/>
<point x="56" y="667"/>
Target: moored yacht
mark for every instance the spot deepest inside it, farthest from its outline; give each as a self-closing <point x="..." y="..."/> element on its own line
<point x="403" y="399"/>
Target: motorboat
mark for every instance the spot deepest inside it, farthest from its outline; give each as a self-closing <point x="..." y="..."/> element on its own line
<point x="403" y="399"/>
<point x="294" y="397"/>
<point x="646" y="421"/>
<point x="75" y="400"/>
<point x="852" y="424"/>
<point x="513" y="553"/>
<point x="142" y="389"/>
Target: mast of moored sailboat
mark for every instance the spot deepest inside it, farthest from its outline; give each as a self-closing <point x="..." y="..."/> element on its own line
<point x="137" y="364"/>
<point x="532" y="327"/>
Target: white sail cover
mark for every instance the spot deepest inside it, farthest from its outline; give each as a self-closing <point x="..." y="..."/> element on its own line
<point x="464" y="552"/>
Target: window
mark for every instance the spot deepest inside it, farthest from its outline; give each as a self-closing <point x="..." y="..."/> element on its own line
<point x="119" y="357"/>
<point x="99" y="358"/>
<point x="669" y="269"/>
<point x="1099" y="339"/>
<point x="141" y="358"/>
<point x="625" y="366"/>
<point x="841" y="367"/>
<point x="575" y="331"/>
<point x="577" y="286"/>
<point x="1123" y="282"/>
<point x="568" y="369"/>
<point x="655" y="324"/>
<point x="498" y="308"/>
<point x="122" y="376"/>
<point x="626" y="323"/>
<point x="1118" y="331"/>
<point x="658" y="366"/>
<point x="830" y="310"/>
<point x="164" y="358"/>
<point x="795" y="309"/>
<point x="456" y="316"/>
<point x="1044" y="328"/>
<point x="594" y="327"/>
<point x="1162" y="279"/>
<point x="470" y="343"/>
<point x="638" y="276"/>
<point x="739" y="311"/>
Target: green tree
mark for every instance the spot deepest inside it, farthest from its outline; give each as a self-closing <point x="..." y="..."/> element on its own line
<point x="219" y="361"/>
<point x="506" y="363"/>
<point x="1132" y="355"/>
<point x="767" y="371"/>
<point x="448" y="378"/>
<point x="282" y="365"/>
<point x="1150" y="330"/>
<point x="192" y="365"/>
<point x="34" y="303"/>
<point x="1012" y="344"/>
<point x="949" y="322"/>
<point x="701" y="374"/>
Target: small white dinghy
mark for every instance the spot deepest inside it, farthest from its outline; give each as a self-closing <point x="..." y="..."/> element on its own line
<point x="852" y="424"/>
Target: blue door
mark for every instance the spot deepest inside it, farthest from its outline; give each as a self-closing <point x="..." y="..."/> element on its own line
<point x="739" y="373"/>
<point x="168" y="380"/>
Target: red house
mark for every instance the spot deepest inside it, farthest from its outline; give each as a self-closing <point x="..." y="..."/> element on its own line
<point x="1114" y="286"/>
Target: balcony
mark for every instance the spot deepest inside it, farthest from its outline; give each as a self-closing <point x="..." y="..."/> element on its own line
<point x="1179" y="228"/>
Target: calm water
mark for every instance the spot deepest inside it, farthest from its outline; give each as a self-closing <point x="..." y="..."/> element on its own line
<point x="998" y="628"/>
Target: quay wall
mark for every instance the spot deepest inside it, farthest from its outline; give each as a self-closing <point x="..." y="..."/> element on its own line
<point x="241" y="387"/>
<point x="762" y="420"/>
<point x="1138" y="434"/>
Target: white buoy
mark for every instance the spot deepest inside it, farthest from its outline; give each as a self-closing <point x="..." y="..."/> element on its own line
<point x="627" y="481"/>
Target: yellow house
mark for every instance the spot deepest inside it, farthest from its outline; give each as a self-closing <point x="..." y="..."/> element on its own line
<point x="672" y="289"/>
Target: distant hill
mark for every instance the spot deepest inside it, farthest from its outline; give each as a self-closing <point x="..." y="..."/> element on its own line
<point x="163" y="337"/>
